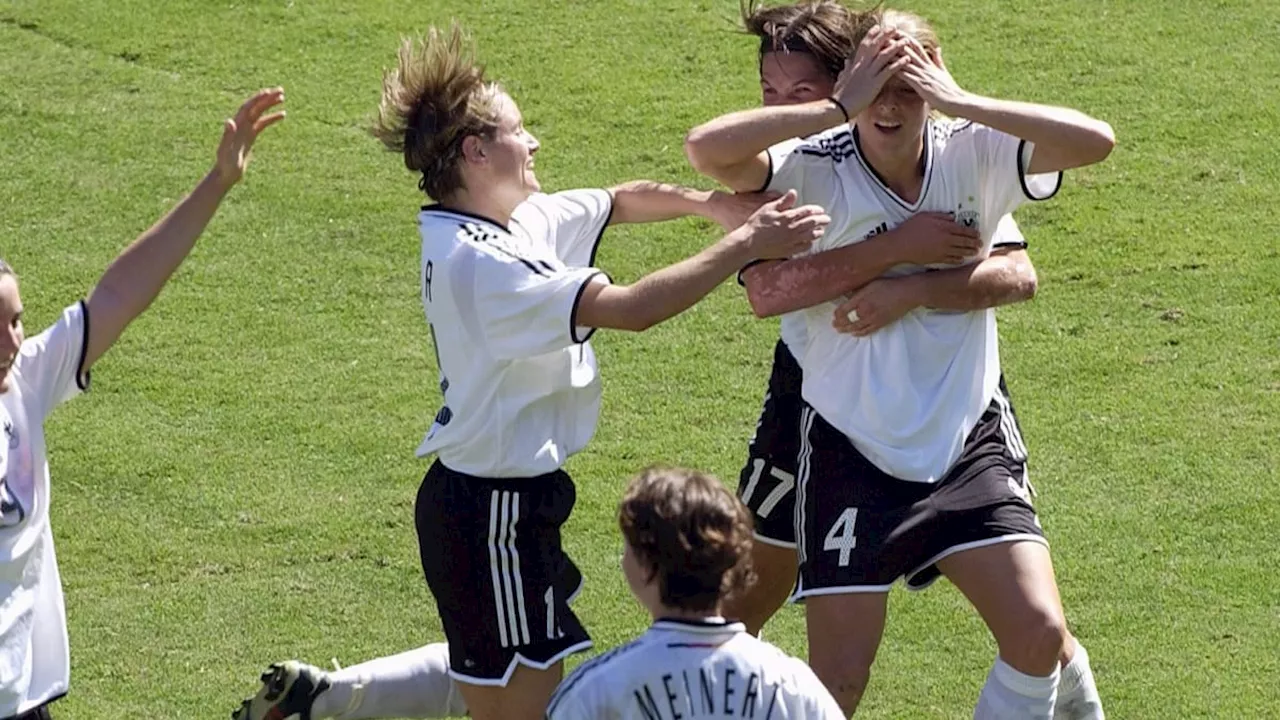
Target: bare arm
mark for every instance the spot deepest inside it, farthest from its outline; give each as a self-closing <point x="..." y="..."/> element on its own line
<point x="646" y="201"/>
<point x="136" y="276"/>
<point x="776" y="230"/>
<point x="776" y="288"/>
<point x="924" y="239"/>
<point x="1063" y="138"/>
<point x="1005" y="277"/>
<point x="732" y="148"/>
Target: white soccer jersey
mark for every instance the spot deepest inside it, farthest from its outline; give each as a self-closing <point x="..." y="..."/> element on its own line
<point x="693" y="669"/>
<point x="908" y="395"/>
<point x="35" y="662"/>
<point x="519" y="379"/>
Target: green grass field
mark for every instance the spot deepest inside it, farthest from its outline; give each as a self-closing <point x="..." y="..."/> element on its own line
<point x="238" y="486"/>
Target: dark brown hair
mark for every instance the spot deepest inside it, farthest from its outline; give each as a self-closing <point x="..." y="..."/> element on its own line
<point x="827" y="29"/>
<point x="693" y="533"/>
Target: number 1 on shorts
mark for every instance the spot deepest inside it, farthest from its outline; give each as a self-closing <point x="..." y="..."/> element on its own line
<point x="840" y="537"/>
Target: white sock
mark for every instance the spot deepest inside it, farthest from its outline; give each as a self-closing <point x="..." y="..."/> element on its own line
<point x="1077" y="692"/>
<point x="413" y="684"/>
<point x="1012" y="695"/>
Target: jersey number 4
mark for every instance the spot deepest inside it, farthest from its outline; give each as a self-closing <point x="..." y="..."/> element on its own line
<point x="840" y="537"/>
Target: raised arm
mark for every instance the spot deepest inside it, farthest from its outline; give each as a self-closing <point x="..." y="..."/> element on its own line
<point x="775" y="288"/>
<point x="645" y="201"/>
<point x="1005" y="277"/>
<point x="1063" y="138"/>
<point x="136" y="276"/>
<point x="731" y="148"/>
<point x="777" y="230"/>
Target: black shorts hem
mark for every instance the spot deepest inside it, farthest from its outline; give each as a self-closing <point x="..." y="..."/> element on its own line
<point x="801" y="592"/>
<point x="915" y="583"/>
<point x="519" y="659"/>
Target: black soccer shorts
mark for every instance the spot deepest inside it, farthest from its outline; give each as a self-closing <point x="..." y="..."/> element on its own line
<point x="502" y="582"/>
<point x="863" y="529"/>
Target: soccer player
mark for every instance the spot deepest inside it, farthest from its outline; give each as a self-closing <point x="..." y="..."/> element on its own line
<point x="512" y="297"/>
<point x="37" y="374"/>
<point x="910" y="464"/>
<point x="803" y="47"/>
<point x="687" y="546"/>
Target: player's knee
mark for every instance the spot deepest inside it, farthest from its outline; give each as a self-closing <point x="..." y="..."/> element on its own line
<point x="1038" y="647"/>
<point x="846" y="677"/>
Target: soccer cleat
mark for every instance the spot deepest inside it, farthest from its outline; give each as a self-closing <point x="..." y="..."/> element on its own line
<point x="288" y="691"/>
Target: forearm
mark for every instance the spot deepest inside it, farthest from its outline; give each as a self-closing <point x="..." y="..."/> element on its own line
<point x="1063" y="138"/>
<point x="645" y="201"/>
<point x="136" y="276"/>
<point x="667" y="292"/>
<point x="776" y="288"/>
<point x="997" y="280"/>
<point x="721" y="147"/>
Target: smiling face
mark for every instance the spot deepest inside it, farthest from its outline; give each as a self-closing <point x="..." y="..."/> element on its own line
<point x="500" y="161"/>
<point x="893" y="124"/>
<point x="11" y="336"/>
<point x="791" y="78"/>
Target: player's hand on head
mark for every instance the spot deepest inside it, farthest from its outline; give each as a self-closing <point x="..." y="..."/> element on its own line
<point x="731" y="210"/>
<point x="936" y="239"/>
<point x="879" y="56"/>
<point x="874" y="306"/>
<point x="780" y="229"/>
<point x="929" y="77"/>
<point x="240" y="132"/>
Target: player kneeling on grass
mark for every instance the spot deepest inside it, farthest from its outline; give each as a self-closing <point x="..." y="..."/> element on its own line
<point x="687" y="550"/>
<point x="512" y="297"/>
<point x="38" y="374"/>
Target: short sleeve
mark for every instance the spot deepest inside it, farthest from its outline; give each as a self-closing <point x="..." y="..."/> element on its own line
<point x="1007" y="235"/>
<point x="521" y="307"/>
<point x="50" y="362"/>
<point x="808" y="166"/>
<point x="1002" y="166"/>
<point x="571" y="222"/>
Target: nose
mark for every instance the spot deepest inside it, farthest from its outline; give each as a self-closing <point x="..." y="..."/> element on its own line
<point x="532" y="142"/>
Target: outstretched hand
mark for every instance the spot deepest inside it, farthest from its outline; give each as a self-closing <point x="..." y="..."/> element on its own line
<point x="239" y="133"/>
<point x="730" y="210"/>
<point x="779" y="229"/>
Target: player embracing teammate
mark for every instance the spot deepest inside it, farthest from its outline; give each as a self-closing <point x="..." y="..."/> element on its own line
<point x="910" y="463"/>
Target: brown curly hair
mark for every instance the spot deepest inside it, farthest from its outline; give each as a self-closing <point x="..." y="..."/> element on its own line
<point x="435" y="98"/>
<point x="692" y="532"/>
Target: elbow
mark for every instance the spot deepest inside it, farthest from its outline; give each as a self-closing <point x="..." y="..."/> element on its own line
<point x="1027" y="283"/>
<point x="1102" y="142"/>
<point x="761" y="307"/>
<point x="697" y="150"/>
<point x="1028" y="286"/>
<point x="762" y="294"/>
<point x="764" y="305"/>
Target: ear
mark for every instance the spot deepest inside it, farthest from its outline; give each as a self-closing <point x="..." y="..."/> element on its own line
<point x="473" y="149"/>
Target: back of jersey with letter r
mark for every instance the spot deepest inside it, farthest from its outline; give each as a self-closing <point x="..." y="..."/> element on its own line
<point x="520" y="383"/>
<point x="694" y="669"/>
